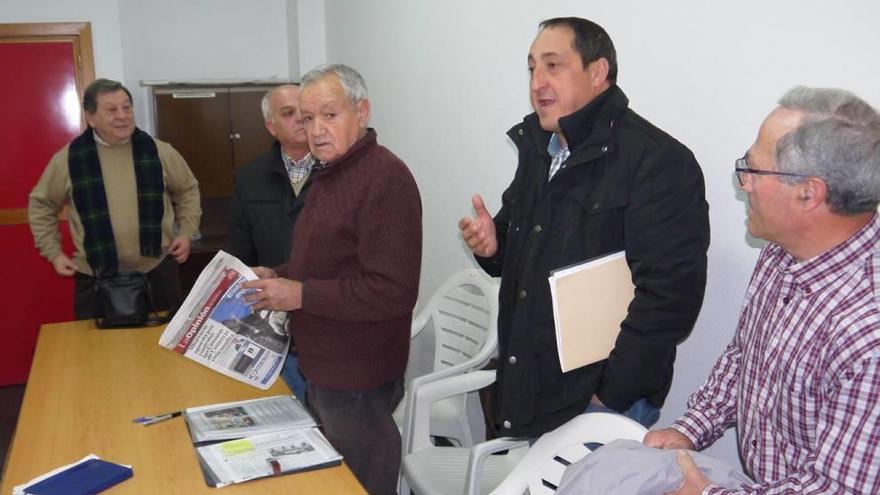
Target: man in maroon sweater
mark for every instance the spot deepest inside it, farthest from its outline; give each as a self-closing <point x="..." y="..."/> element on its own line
<point x="352" y="278"/>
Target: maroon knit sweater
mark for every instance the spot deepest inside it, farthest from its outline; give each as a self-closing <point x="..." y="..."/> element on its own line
<point x="358" y="252"/>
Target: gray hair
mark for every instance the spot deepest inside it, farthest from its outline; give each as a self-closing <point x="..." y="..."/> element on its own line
<point x="352" y="83"/>
<point x="839" y="142"/>
<point x="264" y="103"/>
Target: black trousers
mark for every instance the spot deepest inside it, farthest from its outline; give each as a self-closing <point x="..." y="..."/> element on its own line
<point x="359" y="425"/>
<point x="164" y="289"/>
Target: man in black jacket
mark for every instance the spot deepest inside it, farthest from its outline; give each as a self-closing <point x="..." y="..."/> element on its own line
<point x="270" y="193"/>
<point x="593" y="178"/>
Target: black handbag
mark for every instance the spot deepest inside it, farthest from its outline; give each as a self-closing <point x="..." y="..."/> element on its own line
<point x="122" y="300"/>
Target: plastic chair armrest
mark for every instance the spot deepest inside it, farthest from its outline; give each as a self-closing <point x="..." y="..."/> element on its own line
<point x="478" y="455"/>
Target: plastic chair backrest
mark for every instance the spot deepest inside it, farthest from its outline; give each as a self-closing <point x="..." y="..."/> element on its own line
<point x="541" y="469"/>
<point x="463" y="315"/>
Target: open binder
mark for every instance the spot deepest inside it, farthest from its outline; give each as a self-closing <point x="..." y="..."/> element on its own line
<point x="252" y="439"/>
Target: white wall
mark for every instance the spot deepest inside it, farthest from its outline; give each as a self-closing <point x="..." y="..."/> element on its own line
<point x="311" y="34"/>
<point x="102" y="14"/>
<point x="448" y="79"/>
<point x="199" y="40"/>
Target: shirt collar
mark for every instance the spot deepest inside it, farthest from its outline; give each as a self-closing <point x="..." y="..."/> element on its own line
<point x="816" y="272"/>
<point x="105" y="143"/>
<point x="556" y="147"/>
<point x="305" y="162"/>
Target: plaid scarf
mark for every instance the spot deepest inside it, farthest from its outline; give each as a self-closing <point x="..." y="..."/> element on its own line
<point x="90" y="199"/>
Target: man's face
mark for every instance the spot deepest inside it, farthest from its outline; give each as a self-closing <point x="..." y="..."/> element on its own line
<point x="771" y="202"/>
<point x="332" y="123"/>
<point x="285" y="122"/>
<point x="113" y="119"/>
<point x="559" y="84"/>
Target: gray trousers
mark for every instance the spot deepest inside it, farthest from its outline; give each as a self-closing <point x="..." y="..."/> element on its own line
<point x="359" y="425"/>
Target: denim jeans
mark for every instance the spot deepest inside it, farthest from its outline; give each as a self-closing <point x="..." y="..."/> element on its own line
<point x="640" y="411"/>
<point x="293" y="378"/>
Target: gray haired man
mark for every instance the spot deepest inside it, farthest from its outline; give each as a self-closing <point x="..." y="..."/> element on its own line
<point x="353" y="276"/>
<point x="800" y="379"/>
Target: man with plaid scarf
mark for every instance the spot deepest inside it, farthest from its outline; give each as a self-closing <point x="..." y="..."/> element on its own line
<point x="132" y="201"/>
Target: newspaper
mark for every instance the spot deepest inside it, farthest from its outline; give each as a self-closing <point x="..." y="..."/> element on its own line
<point x="248" y="417"/>
<point x="217" y="328"/>
<point x="270" y="454"/>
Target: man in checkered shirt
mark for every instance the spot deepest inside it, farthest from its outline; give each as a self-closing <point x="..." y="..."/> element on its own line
<point x="801" y="378"/>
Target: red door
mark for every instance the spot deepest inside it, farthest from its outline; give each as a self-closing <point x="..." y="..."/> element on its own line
<point x="40" y="97"/>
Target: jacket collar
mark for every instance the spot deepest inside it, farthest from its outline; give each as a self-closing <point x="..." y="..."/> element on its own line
<point x="592" y="124"/>
<point x="276" y="164"/>
<point x="587" y="127"/>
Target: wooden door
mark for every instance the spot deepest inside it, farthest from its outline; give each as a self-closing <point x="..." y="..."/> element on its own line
<point x="47" y="66"/>
<point x="250" y="137"/>
<point x="196" y="122"/>
<point x="217" y="130"/>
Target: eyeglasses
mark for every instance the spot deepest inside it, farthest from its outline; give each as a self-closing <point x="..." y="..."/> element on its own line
<point x="741" y="166"/>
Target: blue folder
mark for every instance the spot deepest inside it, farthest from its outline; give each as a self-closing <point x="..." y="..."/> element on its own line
<point x="85" y="478"/>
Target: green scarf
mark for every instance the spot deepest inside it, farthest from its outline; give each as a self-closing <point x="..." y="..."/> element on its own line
<point x="90" y="199"/>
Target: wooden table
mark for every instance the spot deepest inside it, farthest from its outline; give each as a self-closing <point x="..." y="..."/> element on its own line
<point x="85" y="387"/>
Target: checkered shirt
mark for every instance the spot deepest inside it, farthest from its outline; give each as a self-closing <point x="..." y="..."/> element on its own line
<point x="801" y="378"/>
<point x="298" y="170"/>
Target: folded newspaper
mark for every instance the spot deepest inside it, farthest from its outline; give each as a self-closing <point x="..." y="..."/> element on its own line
<point x="264" y="437"/>
<point x="217" y="328"/>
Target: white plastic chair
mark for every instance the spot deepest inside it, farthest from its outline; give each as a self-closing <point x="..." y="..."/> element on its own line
<point x="438" y="470"/>
<point x="434" y="470"/>
<point x="541" y="469"/>
<point x="462" y="318"/>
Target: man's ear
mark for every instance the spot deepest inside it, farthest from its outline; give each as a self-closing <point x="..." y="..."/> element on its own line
<point x="598" y="70"/>
<point x="812" y="192"/>
<point x="90" y="119"/>
<point x="270" y="126"/>
<point x="363" y="111"/>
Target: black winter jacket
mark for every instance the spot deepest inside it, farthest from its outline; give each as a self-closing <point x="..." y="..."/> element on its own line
<point x="627" y="185"/>
<point x="264" y="211"/>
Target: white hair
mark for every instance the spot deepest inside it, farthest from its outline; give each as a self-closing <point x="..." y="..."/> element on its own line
<point x="352" y="83"/>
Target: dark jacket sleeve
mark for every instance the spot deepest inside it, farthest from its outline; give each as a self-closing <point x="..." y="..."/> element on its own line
<point x="241" y="242"/>
<point x="666" y="237"/>
<point x="493" y="265"/>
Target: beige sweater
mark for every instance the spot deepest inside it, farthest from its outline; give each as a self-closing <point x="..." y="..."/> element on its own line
<point x="53" y="191"/>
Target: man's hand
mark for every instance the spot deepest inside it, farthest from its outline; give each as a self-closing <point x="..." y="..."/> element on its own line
<point x="179" y="248"/>
<point x="479" y="232"/>
<point x="274" y="293"/>
<point x="668" y="438"/>
<point x="694" y="479"/>
<point x="264" y="273"/>
<point x="63" y="265"/>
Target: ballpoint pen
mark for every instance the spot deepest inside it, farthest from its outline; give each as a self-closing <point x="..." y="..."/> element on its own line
<point x="151" y="420"/>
